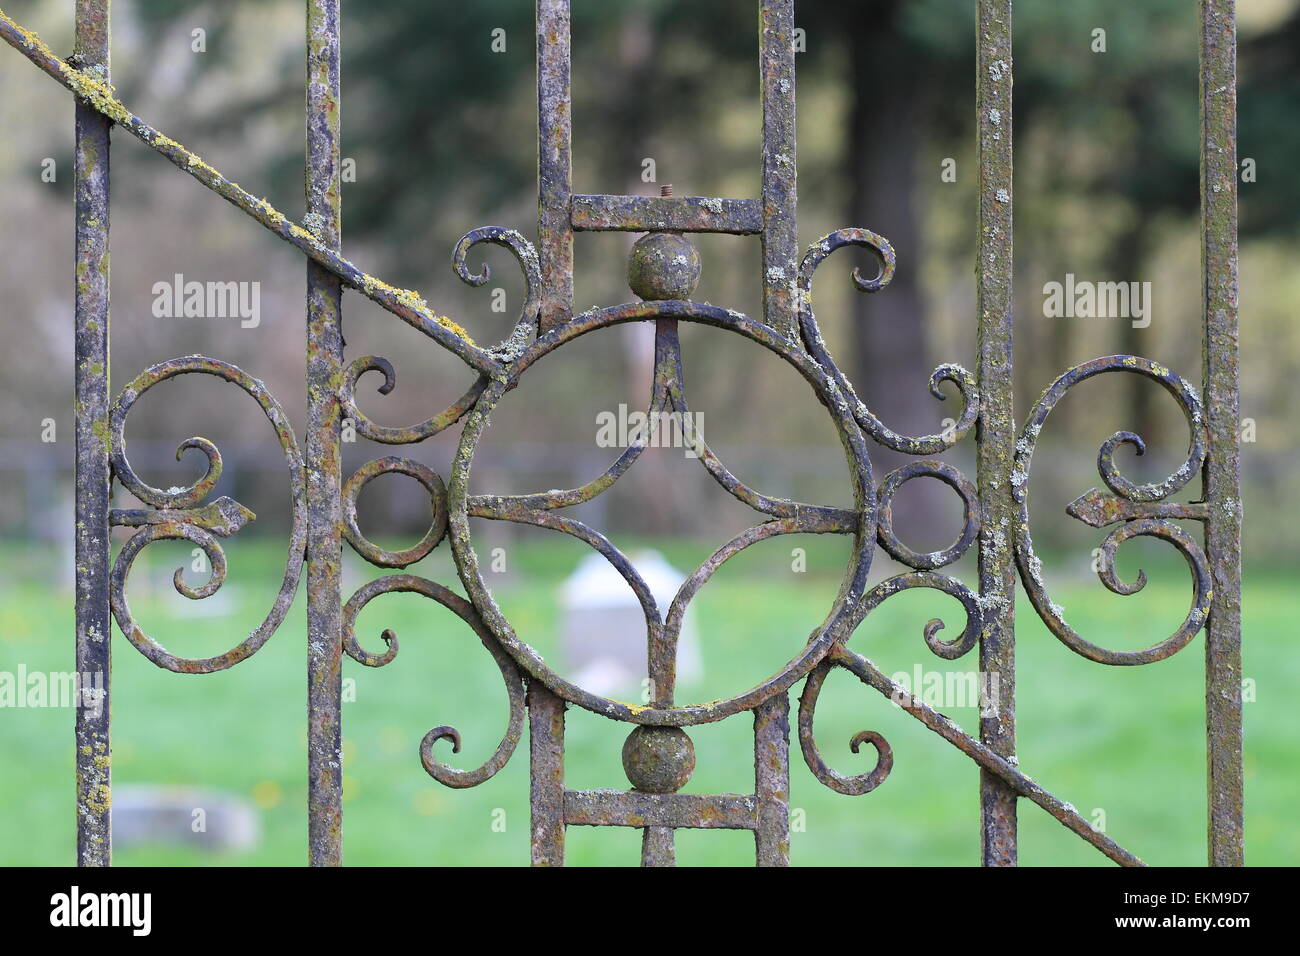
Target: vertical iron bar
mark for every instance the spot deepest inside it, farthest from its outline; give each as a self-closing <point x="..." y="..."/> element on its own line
<point x="772" y="780"/>
<point x="658" y="847"/>
<point x="546" y="754"/>
<point x="1222" y="403"/>
<point x="554" y="162"/>
<point x="995" y="436"/>
<point x="324" y="376"/>
<point x="780" y="232"/>
<point x="94" y="477"/>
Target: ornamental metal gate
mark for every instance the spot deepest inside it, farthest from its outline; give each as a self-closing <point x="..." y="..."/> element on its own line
<point x="658" y="755"/>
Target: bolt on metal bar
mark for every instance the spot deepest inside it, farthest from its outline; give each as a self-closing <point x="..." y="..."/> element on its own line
<point x="554" y="162"/>
<point x="995" y="436"/>
<point x="780" y="230"/>
<point x="1222" y="476"/>
<point x="93" y="473"/>
<point x="323" y="458"/>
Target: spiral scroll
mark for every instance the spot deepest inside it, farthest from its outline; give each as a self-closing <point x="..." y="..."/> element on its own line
<point x="857" y="784"/>
<point x="174" y="515"/>
<point x="969" y="600"/>
<point x="525" y="329"/>
<point x="449" y="776"/>
<point x="963" y="380"/>
<point x="1141" y="506"/>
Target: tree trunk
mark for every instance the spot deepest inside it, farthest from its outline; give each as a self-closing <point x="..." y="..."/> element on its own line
<point x="886" y="126"/>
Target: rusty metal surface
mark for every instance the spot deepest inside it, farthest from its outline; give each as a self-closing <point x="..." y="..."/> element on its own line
<point x="658" y="754"/>
<point x="324" y="453"/>
<point x="1144" y="505"/>
<point x="996" y="435"/>
<point x="772" y="781"/>
<point x="546" y="754"/>
<point x="195" y="524"/>
<point x="624" y="808"/>
<point x="554" y="162"/>
<point x="741" y="217"/>
<point x="94" y="475"/>
<point x="410" y="583"/>
<point x="780" y="229"/>
<point x="1222" y="385"/>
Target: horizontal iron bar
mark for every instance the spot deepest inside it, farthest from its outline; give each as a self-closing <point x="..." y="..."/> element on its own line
<point x="404" y="303"/>
<point x="602" y="213"/>
<point x="631" y="808"/>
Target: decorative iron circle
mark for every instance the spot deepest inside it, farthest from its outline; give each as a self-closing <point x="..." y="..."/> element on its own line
<point x="955" y="480"/>
<point x="840" y="619"/>
<point x="393" y="465"/>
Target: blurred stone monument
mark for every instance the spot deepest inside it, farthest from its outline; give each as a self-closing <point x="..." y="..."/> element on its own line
<point x="201" y="818"/>
<point x="604" y="630"/>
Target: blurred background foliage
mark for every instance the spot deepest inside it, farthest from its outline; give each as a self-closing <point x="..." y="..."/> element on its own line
<point x="441" y="129"/>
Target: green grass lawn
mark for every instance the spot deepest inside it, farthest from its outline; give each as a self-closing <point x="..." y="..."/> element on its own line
<point x="1128" y="742"/>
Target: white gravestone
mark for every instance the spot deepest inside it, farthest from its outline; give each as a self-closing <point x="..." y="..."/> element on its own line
<point x="212" y="820"/>
<point x="604" y="628"/>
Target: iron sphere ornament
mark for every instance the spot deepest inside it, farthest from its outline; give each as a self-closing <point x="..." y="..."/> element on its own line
<point x="663" y="265"/>
<point x="658" y="759"/>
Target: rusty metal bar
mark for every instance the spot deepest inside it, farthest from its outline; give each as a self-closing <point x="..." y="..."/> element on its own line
<point x="772" y="781"/>
<point x="94" y="477"/>
<point x="554" y="162"/>
<point x="602" y="213"/>
<point x="657" y="759"/>
<point x="406" y="304"/>
<point x="1218" y="87"/>
<point x="780" y="232"/>
<point x="658" y="847"/>
<point x="632" y="808"/>
<point x="989" y="760"/>
<point x="546" y="758"/>
<point x="995" y="436"/>
<point x="323" y="456"/>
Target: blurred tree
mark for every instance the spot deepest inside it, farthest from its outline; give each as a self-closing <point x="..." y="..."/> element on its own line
<point x="1268" y="132"/>
<point x="441" y="128"/>
<point x="1116" y="126"/>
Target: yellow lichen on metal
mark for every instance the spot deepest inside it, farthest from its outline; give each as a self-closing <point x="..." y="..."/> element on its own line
<point x="100" y="95"/>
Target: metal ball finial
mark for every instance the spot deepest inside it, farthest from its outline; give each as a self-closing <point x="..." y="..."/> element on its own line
<point x="658" y="759"/>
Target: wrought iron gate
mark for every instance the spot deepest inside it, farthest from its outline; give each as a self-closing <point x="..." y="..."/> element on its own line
<point x="658" y="755"/>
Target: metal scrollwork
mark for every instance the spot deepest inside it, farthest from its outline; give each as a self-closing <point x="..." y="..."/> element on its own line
<point x="175" y="515"/>
<point x="658" y="755"/>
<point x="951" y="477"/>
<point x="1141" y="507"/>
<point x="857" y="784"/>
<point x="526" y="256"/>
<point x="396" y="435"/>
<point x="465" y="611"/>
<point x="667" y="394"/>
<point x="963" y="380"/>
<point x="437" y="501"/>
<point x="969" y="600"/>
<point x="525" y="330"/>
